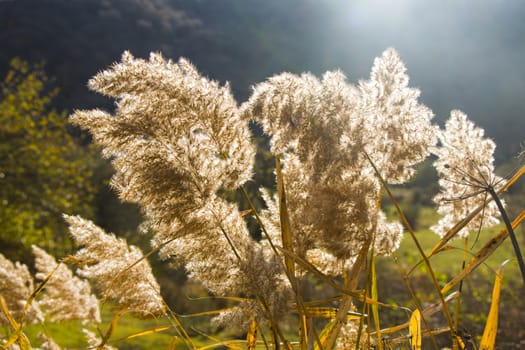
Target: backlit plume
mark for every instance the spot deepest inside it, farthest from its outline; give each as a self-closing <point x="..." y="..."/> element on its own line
<point x="118" y="270"/>
<point x="322" y="129"/>
<point x="175" y="139"/>
<point x="179" y="143"/>
<point x="398" y="129"/>
<point x="465" y="166"/>
<point x="16" y="286"/>
<point x="66" y="297"/>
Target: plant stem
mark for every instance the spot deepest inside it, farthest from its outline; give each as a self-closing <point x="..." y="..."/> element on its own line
<point x="419" y="248"/>
<point x="512" y="235"/>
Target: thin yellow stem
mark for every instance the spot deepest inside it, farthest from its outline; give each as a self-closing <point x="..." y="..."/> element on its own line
<point x="420" y="249"/>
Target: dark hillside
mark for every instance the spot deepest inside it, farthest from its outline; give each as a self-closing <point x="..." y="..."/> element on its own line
<point x="466" y="55"/>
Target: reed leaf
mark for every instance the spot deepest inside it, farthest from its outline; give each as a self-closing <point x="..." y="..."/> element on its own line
<point x="319" y="302"/>
<point x="491" y="327"/>
<point x="286" y="237"/>
<point x="427" y="312"/>
<point x="354" y="294"/>
<point x="20" y="338"/>
<point x="179" y="328"/>
<point x="145" y="332"/>
<point x="482" y="254"/>
<point x="285" y="221"/>
<point x="375" y="309"/>
<point x="173" y="343"/>
<point x="206" y="313"/>
<point x="7" y="314"/>
<point x="406" y="339"/>
<point x="323" y="336"/>
<point x="111" y="328"/>
<point x="510" y="230"/>
<point x="251" y="337"/>
<point x="18" y="335"/>
<point x="350" y="282"/>
<point x="331" y="313"/>
<point x="23" y="342"/>
<point x="12" y="339"/>
<point x="415" y="330"/>
<point x="458" y="342"/>
<point x="415" y="299"/>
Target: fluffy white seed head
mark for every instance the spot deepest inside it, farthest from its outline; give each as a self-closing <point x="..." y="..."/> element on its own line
<point x="119" y="271"/>
<point x="349" y="335"/>
<point x="16" y="286"/>
<point x="465" y="167"/>
<point x="48" y="343"/>
<point x="66" y="297"/>
<point x="175" y="139"/>
<point x="398" y="128"/>
<point x="94" y="341"/>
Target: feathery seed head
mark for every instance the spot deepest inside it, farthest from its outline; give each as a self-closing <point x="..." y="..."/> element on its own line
<point x="322" y="129"/>
<point x="176" y="137"/>
<point x="465" y="166"/>
<point x="398" y="129"/>
<point x="16" y="286"/>
<point x="66" y="297"/>
<point x="388" y="235"/>
<point x="119" y="271"/>
<point x="47" y="342"/>
<point x="94" y="341"/>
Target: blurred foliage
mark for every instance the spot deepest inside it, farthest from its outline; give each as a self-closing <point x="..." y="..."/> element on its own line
<point x="44" y="172"/>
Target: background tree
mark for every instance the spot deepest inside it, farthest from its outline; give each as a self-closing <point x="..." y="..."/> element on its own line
<point x="44" y="171"/>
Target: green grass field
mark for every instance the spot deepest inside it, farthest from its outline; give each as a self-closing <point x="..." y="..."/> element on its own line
<point x="133" y="333"/>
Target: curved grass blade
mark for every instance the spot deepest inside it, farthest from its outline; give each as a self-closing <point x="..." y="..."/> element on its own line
<point x="218" y="297"/>
<point x="406" y="339"/>
<point x="454" y="230"/>
<point x="18" y="335"/>
<point x="285" y="221"/>
<point x="323" y="336"/>
<point x="491" y="327"/>
<point x="483" y="254"/>
<point x="286" y="237"/>
<point x="375" y="309"/>
<point x="5" y="310"/>
<point x="415" y="299"/>
<point x="173" y="344"/>
<point x="415" y="330"/>
<point x="427" y="312"/>
<point x="35" y="292"/>
<point x="144" y="332"/>
<point x="350" y="282"/>
<point x="311" y="268"/>
<point x="205" y="313"/>
<point x="458" y="343"/>
<point x="111" y="328"/>
<point x="179" y="328"/>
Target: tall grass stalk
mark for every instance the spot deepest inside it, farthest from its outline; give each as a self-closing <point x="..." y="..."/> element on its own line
<point x="421" y="252"/>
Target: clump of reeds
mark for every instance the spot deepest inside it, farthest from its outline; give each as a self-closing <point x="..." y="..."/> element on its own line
<point x="179" y="143"/>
